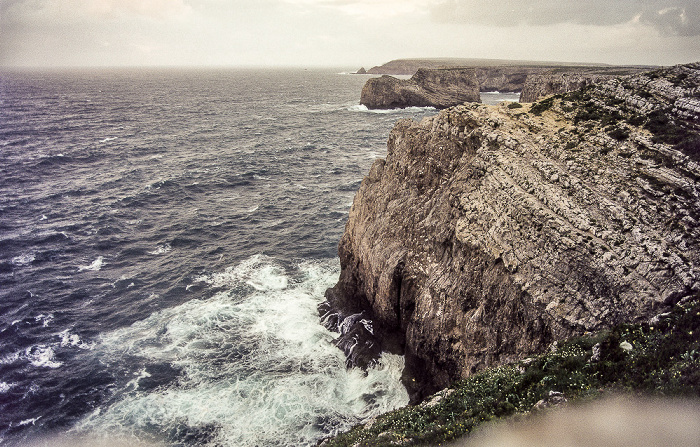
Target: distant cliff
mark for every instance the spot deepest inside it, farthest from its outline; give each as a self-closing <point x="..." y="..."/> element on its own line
<point x="410" y="66"/>
<point x="488" y="232"/>
<point x="555" y="81"/>
<point x="446" y="87"/>
<point x="427" y="88"/>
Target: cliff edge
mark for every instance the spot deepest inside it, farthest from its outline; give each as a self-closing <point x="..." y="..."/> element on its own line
<point x="440" y="88"/>
<point x="489" y="232"/>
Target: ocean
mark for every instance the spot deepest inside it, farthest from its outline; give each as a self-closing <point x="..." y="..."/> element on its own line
<point x="165" y="238"/>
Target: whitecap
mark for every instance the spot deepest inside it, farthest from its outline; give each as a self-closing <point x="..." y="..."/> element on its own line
<point x="134" y="383"/>
<point x="44" y="319"/>
<point x="29" y="421"/>
<point x="23" y="259"/>
<point x="95" y="266"/>
<point x="259" y="272"/>
<point x="160" y="249"/>
<point x="41" y="356"/>
<point x="108" y="139"/>
<point x="258" y="367"/>
<point x="73" y="340"/>
<point x="5" y="387"/>
<point x="9" y="358"/>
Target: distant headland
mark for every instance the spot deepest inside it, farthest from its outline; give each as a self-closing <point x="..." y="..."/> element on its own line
<point x="443" y="83"/>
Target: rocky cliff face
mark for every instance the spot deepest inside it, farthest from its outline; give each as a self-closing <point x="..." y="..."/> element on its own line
<point x="555" y="81"/>
<point x="487" y="233"/>
<point x="427" y="88"/>
<point x="446" y="87"/>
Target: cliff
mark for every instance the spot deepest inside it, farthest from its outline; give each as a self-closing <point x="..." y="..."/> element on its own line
<point x="549" y="82"/>
<point x="427" y="88"/>
<point x="446" y="87"/>
<point x="488" y="232"/>
<point x="410" y="66"/>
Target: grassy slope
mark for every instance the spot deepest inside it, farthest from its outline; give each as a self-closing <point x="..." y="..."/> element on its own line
<point x="658" y="359"/>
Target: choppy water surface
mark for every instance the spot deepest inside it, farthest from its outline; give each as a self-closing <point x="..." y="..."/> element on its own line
<point x="165" y="237"/>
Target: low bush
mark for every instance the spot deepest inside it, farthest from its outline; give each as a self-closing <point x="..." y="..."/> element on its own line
<point x="663" y="359"/>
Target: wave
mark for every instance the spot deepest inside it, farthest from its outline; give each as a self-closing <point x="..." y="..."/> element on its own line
<point x="363" y="109"/>
<point x="95" y="266"/>
<point x="253" y="365"/>
<point x="41" y="356"/>
<point x="160" y="249"/>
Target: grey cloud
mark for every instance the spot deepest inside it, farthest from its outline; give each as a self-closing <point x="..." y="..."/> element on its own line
<point x="674" y="17"/>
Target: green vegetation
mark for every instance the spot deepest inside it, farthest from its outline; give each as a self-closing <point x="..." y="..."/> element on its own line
<point x="515" y="105"/>
<point x="541" y="106"/>
<point x="589" y="110"/>
<point x="661" y="359"/>
<point x="611" y="113"/>
<point x="618" y="133"/>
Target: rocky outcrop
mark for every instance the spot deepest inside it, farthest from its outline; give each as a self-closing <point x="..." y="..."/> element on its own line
<point x="504" y="79"/>
<point x="427" y="88"/>
<point x="446" y="87"/>
<point x="550" y="82"/>
<point x="361" y="71"/>
<point x="410" y="66"/>
<point x="487" y="233"/>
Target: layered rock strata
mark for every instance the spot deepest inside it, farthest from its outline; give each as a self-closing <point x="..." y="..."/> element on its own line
<point x="487" y="232"/>
<point x="427" y="88"/>
<point x="549" y="82"/>
<point x="446" y="87"/>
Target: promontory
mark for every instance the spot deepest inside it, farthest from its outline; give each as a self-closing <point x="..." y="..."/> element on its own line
<point x="490" y="232"/>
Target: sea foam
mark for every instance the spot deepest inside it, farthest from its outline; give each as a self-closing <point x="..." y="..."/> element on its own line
<point x="256" y="367"/>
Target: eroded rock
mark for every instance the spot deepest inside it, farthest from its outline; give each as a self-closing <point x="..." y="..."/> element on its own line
<point x="487" y="233"/>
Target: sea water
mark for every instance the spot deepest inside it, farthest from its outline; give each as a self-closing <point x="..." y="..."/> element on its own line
<point x="165" y="238"/>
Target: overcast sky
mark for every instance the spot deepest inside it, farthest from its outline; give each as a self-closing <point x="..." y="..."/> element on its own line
<point x="345" y="33"/>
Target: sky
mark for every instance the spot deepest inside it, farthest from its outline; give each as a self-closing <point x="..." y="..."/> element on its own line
<point x="344" y="33"/>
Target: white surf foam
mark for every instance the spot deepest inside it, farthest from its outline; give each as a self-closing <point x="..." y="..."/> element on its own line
<point x="23" y="259"/>
<point x="42" y="356"/>
<point x="257" y="272"/>
<point x="258" y="368"/>
<point x="31" y="421"/>
<point x="95" y="266"/>
<point x="160" y="249"/>
<point x="363" y="108"/>
<point x="44" y="319"/>
<point x="73" y="340"/>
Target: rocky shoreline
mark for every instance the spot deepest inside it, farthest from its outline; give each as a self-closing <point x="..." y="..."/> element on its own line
<point x="489" y="232"/>
<point x="450" y="86"/>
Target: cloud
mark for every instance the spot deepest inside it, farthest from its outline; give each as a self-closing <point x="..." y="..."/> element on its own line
<point x="343" y="32"/>
<point x="674" y="17"/>
<point x="372" y="9"/>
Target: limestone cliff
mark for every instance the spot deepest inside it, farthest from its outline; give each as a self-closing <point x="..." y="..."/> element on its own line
<point x="487" y="233"/>
<point x="563" y="80"/>
<point x="427" y="88"/>
<point x="446" y="87"/>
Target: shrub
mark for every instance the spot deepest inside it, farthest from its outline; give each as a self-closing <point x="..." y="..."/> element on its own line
<point x="664" y="359"/>
<point x="539" y="107"/>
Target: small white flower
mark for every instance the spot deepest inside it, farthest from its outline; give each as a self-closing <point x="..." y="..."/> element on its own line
<point x="626" y="346"/>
